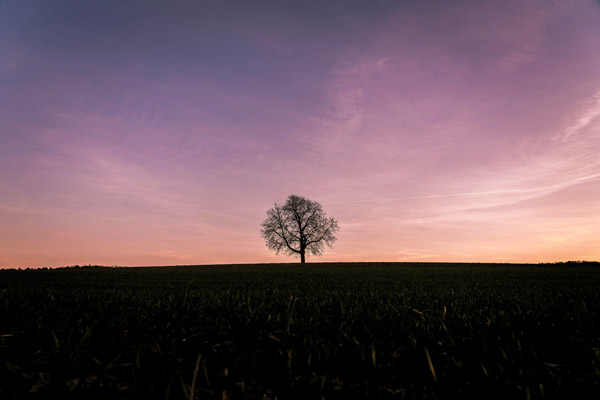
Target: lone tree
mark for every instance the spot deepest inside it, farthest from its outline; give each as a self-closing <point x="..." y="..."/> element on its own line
<point x="298" y="227"/>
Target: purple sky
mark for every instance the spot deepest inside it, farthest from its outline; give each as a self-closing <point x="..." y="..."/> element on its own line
<point x="160" y="132"/>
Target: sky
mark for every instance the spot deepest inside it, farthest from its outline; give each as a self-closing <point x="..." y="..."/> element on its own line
<point x="160" y="132"/>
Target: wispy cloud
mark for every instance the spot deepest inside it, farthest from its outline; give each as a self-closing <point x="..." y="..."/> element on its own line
<point x="535" y="190"/>
<point x="588" y="112"/>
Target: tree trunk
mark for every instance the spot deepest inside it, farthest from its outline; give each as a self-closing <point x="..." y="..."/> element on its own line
<point x="302" y="257"/>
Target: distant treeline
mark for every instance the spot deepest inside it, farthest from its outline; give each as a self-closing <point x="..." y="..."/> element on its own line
<point x="88" y="266"/>
<point x="94" y="266"/>
<point x="578" y="262"/>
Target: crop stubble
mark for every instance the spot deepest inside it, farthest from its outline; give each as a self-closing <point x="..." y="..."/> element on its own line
<point x="358" y="330"/>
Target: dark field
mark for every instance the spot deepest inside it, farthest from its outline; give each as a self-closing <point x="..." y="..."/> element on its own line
<point x="331" y="331"/>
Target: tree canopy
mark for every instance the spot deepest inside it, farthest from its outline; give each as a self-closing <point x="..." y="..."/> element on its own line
<point x="298" y="227"/>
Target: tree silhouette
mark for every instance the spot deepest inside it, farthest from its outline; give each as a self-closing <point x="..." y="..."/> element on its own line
<point x="298" y="227"/>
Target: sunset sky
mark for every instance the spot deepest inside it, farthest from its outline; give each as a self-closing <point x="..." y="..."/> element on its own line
<point x="160" y="132"/>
